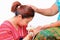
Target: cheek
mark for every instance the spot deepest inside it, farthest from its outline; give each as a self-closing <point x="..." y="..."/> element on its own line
<point x="19" y="23"/>
<point x="25" y="23"/>
<point x="29" y="20"/>
<point x="22" y="23"/>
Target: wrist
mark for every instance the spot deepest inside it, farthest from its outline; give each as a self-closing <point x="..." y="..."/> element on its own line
<point x="36" y="9"/>
<point x="31" y="34"/>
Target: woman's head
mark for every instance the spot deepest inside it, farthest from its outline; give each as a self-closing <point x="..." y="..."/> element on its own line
<point x="23" y="13"/>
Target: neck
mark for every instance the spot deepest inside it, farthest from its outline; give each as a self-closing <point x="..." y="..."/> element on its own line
<point x="14" y="22"/>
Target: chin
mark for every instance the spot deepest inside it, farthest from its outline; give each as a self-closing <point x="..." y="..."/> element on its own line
<point x="22" y="25"/>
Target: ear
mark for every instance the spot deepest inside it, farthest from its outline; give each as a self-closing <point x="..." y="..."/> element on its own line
<point x="19" y="16"/>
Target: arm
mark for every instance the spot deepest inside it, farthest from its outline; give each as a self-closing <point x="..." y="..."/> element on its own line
<point x="29" y="36"/>
<point x="55" y="24"/>
<point x="47" y="12"/>
<point x="36" y="30"/>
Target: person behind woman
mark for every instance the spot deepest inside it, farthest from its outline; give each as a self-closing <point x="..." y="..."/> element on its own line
<point x="15" y="28"/>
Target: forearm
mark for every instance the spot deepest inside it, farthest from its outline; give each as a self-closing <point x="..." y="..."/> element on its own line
<point x="55" y="24"/>
<point x="29" y="36"/>
<point x="47" y="12"/>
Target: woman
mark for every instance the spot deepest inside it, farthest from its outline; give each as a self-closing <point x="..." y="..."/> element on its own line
<point x="15" y="28"/>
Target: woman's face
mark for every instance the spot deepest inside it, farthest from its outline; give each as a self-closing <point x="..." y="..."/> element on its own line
<point x="24" y="21"/>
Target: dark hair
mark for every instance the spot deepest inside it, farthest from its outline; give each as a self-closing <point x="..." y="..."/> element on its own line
<point x="23" y="10"/>
<point x="51" y="38"/>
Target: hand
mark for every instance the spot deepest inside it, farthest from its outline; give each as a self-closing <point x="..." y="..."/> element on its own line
<point x="33" y="7"/>
<point x="32" y="33"/>
<point x="36" y="30"/>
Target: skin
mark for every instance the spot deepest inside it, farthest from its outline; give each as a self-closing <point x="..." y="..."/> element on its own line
<point x="19" y="21"/>
<point x="47" y="12"/>
<point x="55" y="24"/>
<point x="53" y="10"/>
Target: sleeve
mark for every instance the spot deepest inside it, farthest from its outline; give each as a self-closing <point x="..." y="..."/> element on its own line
<point x="58" y="4"/>
<point x="5" y="34"/>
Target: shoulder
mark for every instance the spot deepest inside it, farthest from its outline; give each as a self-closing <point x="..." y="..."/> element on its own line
<point x="5" y="31"/>
<point x="6" y="25"/>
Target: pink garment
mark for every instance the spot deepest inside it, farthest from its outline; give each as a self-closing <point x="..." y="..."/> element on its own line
<point x="8" y="32"/>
